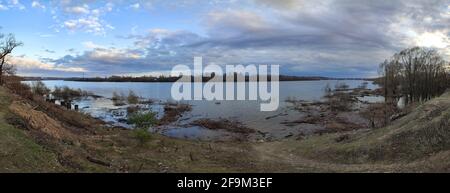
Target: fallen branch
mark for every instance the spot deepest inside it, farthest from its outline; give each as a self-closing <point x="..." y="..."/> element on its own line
<point x="99" y="162"/>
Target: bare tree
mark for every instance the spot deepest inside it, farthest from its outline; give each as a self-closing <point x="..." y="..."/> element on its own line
<point x="7" y="44"/>
<point x="417" y="74"/>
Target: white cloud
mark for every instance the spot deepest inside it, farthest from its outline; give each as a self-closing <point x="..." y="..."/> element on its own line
<point x="82" y="9"/>
<point x="23" y="63"/>
<point x="11" y="4"/>
<point x="135" y="6"/>
<point x="2" y="7"/>
<point x="91" y="45"/>
<point x="37" y="4"/>
<point x="434" y="40"/>
<point x="109" y="6"/>
<point x="84" y="17"/>
<point x="16" y="4"/>
<point x="89" y="24"/>
<point x="71" y="24"/>
<point x="113" y="54"/>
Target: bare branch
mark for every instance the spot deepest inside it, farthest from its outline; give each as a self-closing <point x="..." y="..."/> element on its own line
<point x="7" y="44"/>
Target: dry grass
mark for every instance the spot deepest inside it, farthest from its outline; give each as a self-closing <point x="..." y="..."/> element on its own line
<point x="19" y="152"/>
<point x="40" y="121"/>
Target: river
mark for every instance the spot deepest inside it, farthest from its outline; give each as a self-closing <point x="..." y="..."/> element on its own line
<point x="246" y="112"/>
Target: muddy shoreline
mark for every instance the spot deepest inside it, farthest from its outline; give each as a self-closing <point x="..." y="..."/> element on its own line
<point x="297" y="119"/>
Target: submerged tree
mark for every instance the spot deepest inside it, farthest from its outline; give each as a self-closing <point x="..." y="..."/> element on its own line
<point x="416" y="74"/>
<point x="7" y="44"/>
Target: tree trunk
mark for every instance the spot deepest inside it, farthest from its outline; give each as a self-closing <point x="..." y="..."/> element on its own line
<point x="1" y="71"/>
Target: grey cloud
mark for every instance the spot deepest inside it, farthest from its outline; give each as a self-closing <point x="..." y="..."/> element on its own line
<point x="49" y="51"/>
<point x="346" y="37"/>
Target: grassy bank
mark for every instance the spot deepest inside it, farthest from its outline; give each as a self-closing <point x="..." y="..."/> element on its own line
<point x="18" y="152"/>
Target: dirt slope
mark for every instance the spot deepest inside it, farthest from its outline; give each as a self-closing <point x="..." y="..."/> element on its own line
<point x="18" y="152"/>
<point x="417" y="142"/>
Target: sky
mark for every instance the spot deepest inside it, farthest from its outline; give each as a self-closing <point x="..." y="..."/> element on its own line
<point x="334" y="38"/>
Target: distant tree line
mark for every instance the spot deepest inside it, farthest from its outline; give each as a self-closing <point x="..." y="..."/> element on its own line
<point x="175" y="78"/>
<point x="417" y="74"/>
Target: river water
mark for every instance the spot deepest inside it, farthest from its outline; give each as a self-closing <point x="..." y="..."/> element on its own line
<point x="246" y="112"/>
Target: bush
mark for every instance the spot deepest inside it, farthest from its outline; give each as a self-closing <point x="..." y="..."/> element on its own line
<point x="340" y="101"/>
<point x="72" y="118"/>
<point x="142" y="135"/>
<point x="67" y="94"/>
<point x="19" y="88"/>
<point x="39" y="88"/>
<point x="143" y="120"/>
<point x="379" y="114"/>
<point x="118" y="100"/>
<point x="363" y="85"/>
<point x="132" y="98"/>
<point x="341" y="86"/>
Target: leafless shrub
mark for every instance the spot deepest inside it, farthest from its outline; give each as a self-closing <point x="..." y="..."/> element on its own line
<point x="132" y="98"/>
<point x="39" y="88"/>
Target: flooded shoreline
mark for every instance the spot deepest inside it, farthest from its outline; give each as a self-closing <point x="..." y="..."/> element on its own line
<point x="287" y="121"/>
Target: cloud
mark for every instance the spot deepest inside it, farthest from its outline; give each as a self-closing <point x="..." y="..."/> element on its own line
<point x="27" y="64"/>
<point x="37" y="4"/>
<point x="49" y="51"/>
<point x="91" y="45"/>
<point x="436" y="39"/>
<point x="321" y="35"/>
<point x="11" y="4"/>
<point x="16" y="4"/>
<point x="79" y="9"/>
<point x="89" y="24"/>
<point x="342" y="38"/>
<point x="281" y="4"/>
<point x="82" y="16"/>
<point x="235" y="22"/>
<point x="135" y="6"/>
<point x="3" y="7"/>
<point x="104" y="60"/>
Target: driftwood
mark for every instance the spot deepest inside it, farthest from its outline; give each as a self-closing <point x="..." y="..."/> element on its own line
<point x="99" y="162"/>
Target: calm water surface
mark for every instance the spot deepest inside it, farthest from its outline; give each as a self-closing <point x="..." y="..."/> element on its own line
<point x="247" y="112"/>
